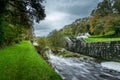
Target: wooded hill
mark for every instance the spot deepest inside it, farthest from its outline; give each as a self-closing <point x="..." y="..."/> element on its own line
<point x="103" y="21"/>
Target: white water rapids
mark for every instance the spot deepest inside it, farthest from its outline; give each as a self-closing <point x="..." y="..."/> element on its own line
<point x="76" y="69"/>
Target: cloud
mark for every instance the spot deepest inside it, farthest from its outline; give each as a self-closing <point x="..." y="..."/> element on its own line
<point x="42" y="32"/>
<point x="56" y="16"/>
<point x="62" y="12"/>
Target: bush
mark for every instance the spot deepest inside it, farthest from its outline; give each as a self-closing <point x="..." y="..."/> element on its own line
<point x="9" y="34"/>
<point x="56" y="39"/>
<point x="42" y="44"/>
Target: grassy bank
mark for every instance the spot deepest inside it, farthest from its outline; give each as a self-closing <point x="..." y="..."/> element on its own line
<point x="100" y="39"/>
<point x="22" y="62"/>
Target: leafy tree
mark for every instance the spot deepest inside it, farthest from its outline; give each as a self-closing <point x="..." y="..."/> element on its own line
<point x="56" y="39"/>
<point x="116" y="5"/>
<point x="43" y="42"/>
<point x="105" y="18"/>
<point x="104" y="8"/>
<point x="17" y="17"/>
<point x="25" y="11"/>
<point x="79" y="26"/>
<point x="115" y="25"/>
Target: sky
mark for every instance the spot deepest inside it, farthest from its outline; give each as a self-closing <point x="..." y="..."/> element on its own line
<point x="63" y="12"/>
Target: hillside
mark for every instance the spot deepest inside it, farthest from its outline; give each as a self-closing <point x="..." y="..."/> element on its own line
<point x="79" y="25"/>
<point x="103" y="21"/>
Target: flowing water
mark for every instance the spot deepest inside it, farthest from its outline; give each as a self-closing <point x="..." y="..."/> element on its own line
<point x="76" y="69"/>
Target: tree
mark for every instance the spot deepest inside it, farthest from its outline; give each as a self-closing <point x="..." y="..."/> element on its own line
<point x="25" y="11"/>
<point x="3" y="4"/>
<point x="116" y="5"/>
<point x="21" y="14"/>
<point x="42" y="42"/>
<point x="103" y="8"/>
<point x="56" y="39"/>
<point x="79" y="26"/>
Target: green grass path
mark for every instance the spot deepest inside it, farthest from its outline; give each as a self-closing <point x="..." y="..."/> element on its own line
<point x="100" y="39"/>
<point x="22" y="62"/>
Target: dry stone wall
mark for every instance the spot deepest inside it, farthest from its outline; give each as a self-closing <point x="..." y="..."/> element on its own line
<point x="105" y="50"/>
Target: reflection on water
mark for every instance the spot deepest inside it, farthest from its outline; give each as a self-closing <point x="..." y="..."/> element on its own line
<point x="76" y="69"/>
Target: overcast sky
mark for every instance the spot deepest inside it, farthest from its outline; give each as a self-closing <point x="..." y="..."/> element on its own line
<point x="63" y="12"/>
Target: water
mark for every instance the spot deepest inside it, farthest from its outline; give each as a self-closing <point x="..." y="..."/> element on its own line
<point x="111" y="65"/>
<point x="76" y="69"/>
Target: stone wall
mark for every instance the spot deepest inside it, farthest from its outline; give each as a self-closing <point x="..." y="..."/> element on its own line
<point x="105" y="50"/>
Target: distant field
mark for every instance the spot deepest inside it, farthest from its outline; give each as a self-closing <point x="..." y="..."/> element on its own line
<point x="22" y="62"/>
<point x="101" y="39"/>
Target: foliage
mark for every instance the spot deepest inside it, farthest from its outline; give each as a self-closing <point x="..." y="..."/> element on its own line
<point x="43" y="43"/>
<point x="104" y="8"/>
<point x="9" y="34"/>
<point x="116" y="5"/>
<point x="104" y="20"/>
<point x="17" y="17"/>
<point x="79" y="26"/>
<point x="105" y="25"/>
<point x="56" y="39"/>
<point x="24" y="10"/>
<point x="25" y="65"/>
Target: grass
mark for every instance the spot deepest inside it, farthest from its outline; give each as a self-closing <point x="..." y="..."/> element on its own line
<point x="22" y="62"/>
<point x="100" y="39"/>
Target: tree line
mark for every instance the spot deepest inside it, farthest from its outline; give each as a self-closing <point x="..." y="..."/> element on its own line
<point x="17" y="18"/>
